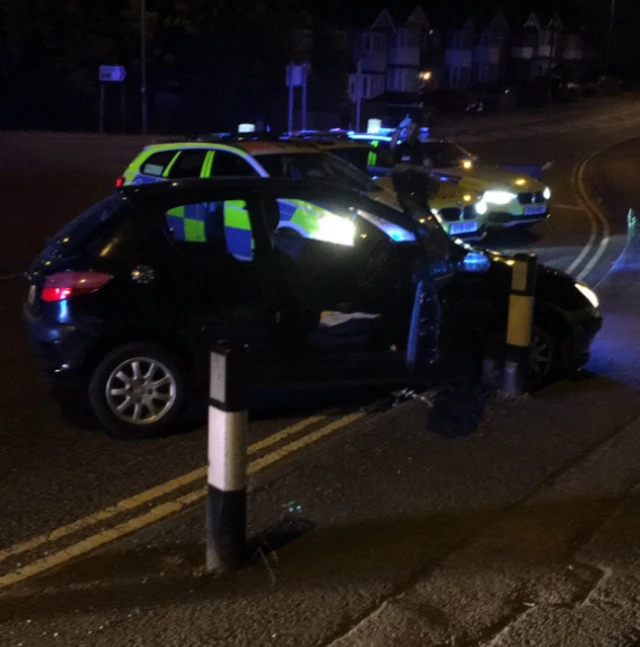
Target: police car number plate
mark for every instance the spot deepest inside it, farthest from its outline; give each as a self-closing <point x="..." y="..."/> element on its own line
<point x="535" y="210"/>
<point x="463" y="227"/>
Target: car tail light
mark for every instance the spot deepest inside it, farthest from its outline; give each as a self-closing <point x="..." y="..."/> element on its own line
<point x="120" y="181"/>
<point x="65" y="285"/>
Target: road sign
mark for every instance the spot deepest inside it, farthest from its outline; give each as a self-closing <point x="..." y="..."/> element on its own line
<point x="112" y="73"/>
<point x="296" y="75"/>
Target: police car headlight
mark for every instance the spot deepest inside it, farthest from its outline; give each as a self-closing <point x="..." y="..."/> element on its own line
<point x="546" y="194"/>
<point x="498" y="197"/>
<point x="589" y="294"/>
<point x="481" y="208"/>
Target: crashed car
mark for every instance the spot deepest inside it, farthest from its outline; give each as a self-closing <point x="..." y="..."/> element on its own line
<point x="513" y="197"/>
<point x="125" y="301"/>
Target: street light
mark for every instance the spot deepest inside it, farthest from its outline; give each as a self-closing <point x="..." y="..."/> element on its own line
<point x="612" y="14"/>
<point x="143" y="66"/>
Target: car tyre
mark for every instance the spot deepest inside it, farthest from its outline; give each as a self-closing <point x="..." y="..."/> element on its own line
<point x="546" y="355"/>
<point x="137" y="391"/>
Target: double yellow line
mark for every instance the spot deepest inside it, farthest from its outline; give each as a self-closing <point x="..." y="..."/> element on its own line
<point x="161" y="510"/>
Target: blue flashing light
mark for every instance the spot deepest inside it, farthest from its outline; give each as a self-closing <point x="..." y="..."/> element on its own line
<point x="370" y="138"/>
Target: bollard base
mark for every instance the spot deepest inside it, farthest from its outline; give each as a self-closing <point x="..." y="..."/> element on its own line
<point x="226" y="530"/>
<point x="514" y="383"/>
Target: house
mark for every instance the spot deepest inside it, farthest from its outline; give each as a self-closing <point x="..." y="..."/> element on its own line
<point x="392" y="64"/>
<point x="491" y="53"/>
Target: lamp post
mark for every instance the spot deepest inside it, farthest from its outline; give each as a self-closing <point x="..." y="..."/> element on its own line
<point x="612" y="15"/>
<point x="143" y="66"/>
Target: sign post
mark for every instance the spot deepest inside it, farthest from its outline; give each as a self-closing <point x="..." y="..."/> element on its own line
<point x="358" y="90"/>
<point x="297" y="77"/>
<point x="111" y="74"/>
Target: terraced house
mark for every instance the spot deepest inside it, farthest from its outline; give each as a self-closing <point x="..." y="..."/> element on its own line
<point x="409" y="62"/>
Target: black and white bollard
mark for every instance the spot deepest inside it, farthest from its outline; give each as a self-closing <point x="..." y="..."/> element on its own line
<point x="519" y="323"/>
<point x="227" y="473"/>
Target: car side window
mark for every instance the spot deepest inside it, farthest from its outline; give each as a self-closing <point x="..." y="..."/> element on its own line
<point x="226" y="164"/>
<point x="189" y="164"/>
<point x="205" y="228"/>
<point x="317" y="221"/>
<point x="157" y="163"/>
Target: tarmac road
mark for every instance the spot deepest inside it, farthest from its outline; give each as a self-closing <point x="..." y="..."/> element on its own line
<point x="54" y="474"/>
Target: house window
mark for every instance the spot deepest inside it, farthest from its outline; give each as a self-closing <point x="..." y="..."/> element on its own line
<point x="339" y="39"/>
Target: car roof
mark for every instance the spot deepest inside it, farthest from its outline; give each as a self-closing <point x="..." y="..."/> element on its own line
<point x="255" y="148"/>
<point x="176" y="188"/>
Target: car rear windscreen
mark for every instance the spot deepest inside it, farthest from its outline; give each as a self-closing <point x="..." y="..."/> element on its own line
<point x="92" y="223"/>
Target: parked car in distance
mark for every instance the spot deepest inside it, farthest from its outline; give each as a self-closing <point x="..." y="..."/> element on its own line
<point x="125" y="301"/>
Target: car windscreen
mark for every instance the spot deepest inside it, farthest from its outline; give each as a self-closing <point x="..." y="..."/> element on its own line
<point x="316" y="166"/>
<point x="357" y="156"/>
<point x="445" y="155"/>
<point x="415" y="223"/>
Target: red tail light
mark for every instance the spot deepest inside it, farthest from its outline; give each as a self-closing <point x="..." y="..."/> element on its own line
<point x="120" y="181"/>
<point x="65" y="285"/>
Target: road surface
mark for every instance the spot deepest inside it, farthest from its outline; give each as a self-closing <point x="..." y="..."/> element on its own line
<point x="402" y="485"/>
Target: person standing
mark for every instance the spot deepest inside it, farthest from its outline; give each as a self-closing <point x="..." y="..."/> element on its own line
<point x="411" y="174"/>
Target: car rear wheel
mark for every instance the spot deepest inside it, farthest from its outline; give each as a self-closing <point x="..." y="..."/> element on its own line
<point x="137" y="391"/>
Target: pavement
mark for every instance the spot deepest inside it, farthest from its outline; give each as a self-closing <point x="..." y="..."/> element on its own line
<point x="482" y="521"/>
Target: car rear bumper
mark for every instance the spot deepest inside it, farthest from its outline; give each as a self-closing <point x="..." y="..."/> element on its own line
<point x="500" y="220"/>
<point x="60" y="349"/>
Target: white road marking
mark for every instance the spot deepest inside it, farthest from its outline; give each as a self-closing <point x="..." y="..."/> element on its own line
<point x="606" y="230"/>
<point x="592" y="236"/>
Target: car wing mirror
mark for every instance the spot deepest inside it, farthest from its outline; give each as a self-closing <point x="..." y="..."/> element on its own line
<point x="475" y="262"/>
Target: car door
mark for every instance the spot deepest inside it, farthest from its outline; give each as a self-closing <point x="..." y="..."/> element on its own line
<point x="225" y="163"/>
<point x="219" y="253"/>
<point x="190" y="163"/>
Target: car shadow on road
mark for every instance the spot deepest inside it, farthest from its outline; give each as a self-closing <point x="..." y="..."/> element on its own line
<point x="512" y="238"/>
<point x="458" y="411"/>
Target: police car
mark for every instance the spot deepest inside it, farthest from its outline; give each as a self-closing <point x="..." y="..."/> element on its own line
<point x="512" y="198"/>
<point x="461" y="212"/>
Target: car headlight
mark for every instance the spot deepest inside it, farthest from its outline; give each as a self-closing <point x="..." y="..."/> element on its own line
<point x="498" y="197"/>
<point x="546" y="194"/>
<point x="590" y="295"/>
<point x="481" y="207"/>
